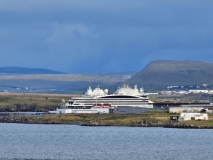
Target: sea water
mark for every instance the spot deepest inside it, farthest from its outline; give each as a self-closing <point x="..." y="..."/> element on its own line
<point x="50" y="142"/>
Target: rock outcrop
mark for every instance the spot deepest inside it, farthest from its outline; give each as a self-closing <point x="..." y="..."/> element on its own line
<point x="25" y="119"/>
<point x="94" y="123"/>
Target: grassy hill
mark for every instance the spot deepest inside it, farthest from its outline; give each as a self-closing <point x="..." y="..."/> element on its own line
<point x="164" y="73"/>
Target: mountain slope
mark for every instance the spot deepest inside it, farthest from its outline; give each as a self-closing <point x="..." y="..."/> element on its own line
<point x="23" y="70"/>
<point x="162" y="73"/>
<point x="61" y="83"/>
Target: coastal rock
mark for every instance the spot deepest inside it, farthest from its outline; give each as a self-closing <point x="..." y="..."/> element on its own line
<point x="94" y="123"/>
<point x="24" y="119"/>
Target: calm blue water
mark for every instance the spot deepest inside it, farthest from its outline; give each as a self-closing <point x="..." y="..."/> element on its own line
<point x="27" y="141"/>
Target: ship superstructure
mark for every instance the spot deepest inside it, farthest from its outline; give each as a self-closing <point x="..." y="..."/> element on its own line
<point x="99" y="99"/>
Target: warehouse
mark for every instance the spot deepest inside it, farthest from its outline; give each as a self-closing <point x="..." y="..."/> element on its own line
<point x="191" y="108"/>
<point x="193" y="116"/>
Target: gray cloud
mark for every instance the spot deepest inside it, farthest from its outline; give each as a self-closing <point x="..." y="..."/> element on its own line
<point x="103" y="36"/>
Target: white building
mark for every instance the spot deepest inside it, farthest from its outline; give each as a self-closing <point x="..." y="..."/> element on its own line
<point x="193" y="116"/>
<point x="168" y="92"/>
<point x="198" y="91"/>
<point x="182" y="92"/>
<point x="191" y="108"/>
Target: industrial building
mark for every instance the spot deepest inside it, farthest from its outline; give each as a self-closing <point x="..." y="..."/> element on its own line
<point x="193" y="116"/>
<point x="195" y="108"/>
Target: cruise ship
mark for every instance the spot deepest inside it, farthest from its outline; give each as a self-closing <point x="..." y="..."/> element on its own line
<point x="99" y="101"/>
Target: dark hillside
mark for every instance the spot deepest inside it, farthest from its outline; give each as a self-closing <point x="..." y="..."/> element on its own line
<point x="61" y="83"/>
<point x="23" y="70"/>
<point x="162" y="73"/>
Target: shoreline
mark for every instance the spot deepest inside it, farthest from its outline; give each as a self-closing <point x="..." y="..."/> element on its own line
<point x="22" y="119"/>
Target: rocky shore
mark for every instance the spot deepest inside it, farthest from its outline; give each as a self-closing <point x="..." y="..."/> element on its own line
<point x="170" y="124"/>
<point x="143" y="123"/>
<point x="25" y="119"/>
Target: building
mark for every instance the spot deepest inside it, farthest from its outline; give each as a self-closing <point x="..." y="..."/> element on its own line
<point x="193" y="116"/>
<point x="199" y="91"/>
<point x="194" y="108"/>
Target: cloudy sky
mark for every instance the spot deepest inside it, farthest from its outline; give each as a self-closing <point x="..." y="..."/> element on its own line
<point x="89" y="36"/>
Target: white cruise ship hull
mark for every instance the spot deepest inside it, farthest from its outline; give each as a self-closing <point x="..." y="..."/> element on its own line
<point x="91" y="110"/>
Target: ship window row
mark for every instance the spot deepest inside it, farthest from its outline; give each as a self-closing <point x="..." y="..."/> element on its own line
<point x="108" y="101"/>
<point x="113" y="99"/>
<point x="129" y="103"/>
<point x="128" y="99"/>
<point x="102" y="101"/>
<point x="122" y="103"/>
